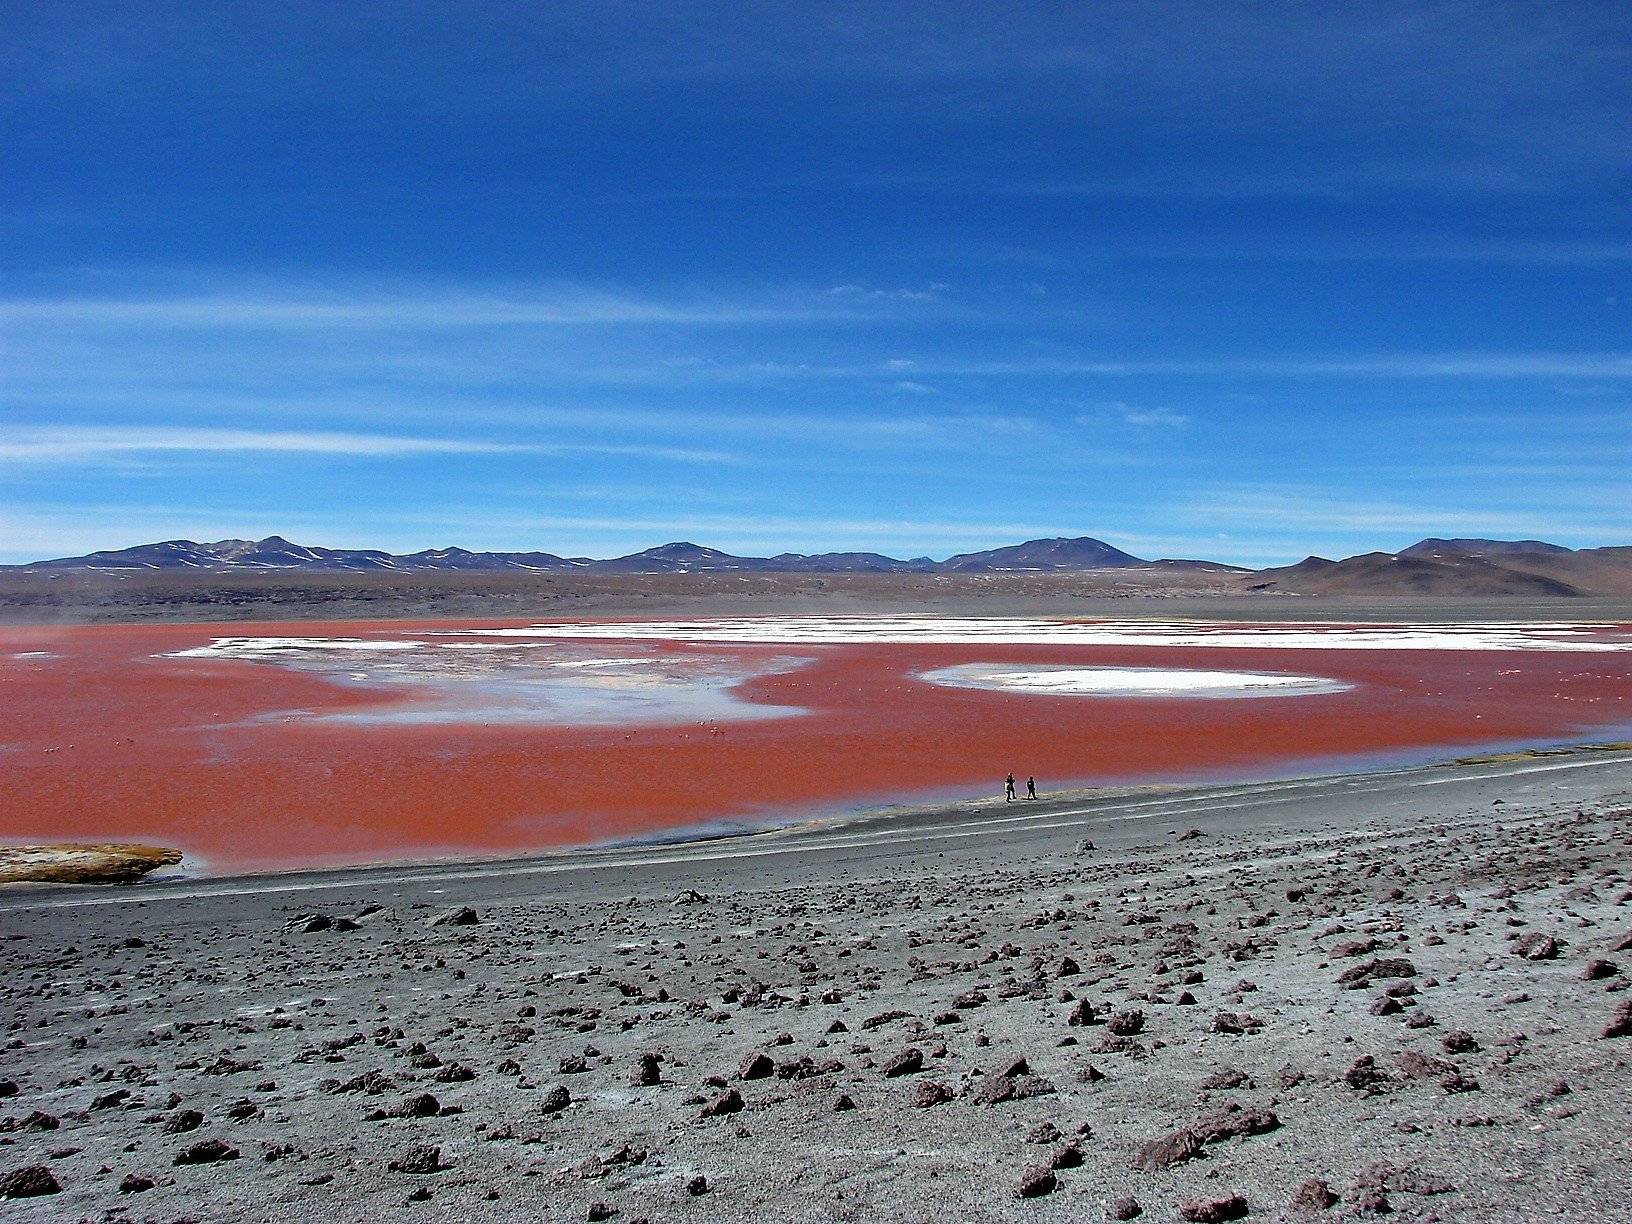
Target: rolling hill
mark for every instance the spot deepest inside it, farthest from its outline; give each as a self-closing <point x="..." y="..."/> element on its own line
<point x="276" y="553"/>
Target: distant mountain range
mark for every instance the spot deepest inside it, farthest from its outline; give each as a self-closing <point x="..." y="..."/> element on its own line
<point x="1460" y="567"/>
<point x="277" y="553"/>
<point x="1433" y="567"/>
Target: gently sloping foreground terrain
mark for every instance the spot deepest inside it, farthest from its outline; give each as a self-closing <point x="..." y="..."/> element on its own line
<point x="1395" y="993"/>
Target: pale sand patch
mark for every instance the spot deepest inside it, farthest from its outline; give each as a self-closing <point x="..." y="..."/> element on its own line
<point x="1065" y="680"/>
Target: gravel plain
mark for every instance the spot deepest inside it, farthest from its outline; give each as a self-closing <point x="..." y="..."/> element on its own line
<point x="1352" y="996"/>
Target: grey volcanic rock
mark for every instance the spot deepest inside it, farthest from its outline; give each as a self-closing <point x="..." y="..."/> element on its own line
<point x="1036" y="1181"/>
<point x="906" y="1062"/>
<point x="182" y="1121"/>
<point x="31" y="1181"/>
<point x="1213" y="1210"/>
<point x="1621" y="1025"/>
<point x="926" y="1093"/>
<point x="206" y="1151"/>
<point x="728" y="1102"/>
<point x="422" y="1159"/>
<point x="1314" y="1195"/>
<point x="1168" y="1150"/>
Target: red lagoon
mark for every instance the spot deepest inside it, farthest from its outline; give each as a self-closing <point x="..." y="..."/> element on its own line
<point x="105" y="733"/>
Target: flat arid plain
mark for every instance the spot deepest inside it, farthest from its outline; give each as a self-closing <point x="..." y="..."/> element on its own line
<point x="677" y="913"/>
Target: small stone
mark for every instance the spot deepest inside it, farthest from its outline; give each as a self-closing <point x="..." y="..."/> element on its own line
<point x="1364" y="1074"/>
<point x="1314" y="1195"/>
<point x="463" y="916"/>
<point x="1082" y="1014"/>
<point x="182" y="1121"/>
<point x="1124" y="1208"/>
<point x="419" y="1160"/>
<point x="926" y="1093"/>
<point x="754" y="1066"/>
<point x="135" y="1183"/>
<point x="1369" y="1199"/>
<point x="728" y="1102"/>
<point x="1127" y="1023"/>
<point x="1232" y="1122"/>
<point x="1066" y="1156"/>
<point x="1213" y="1210"/>
<point x="1362" y="975"/>
<point x="31" y="1181"/>
<point x="1459" y="1042"/>
<point x="994" y="1090"/>
<point x="1621" y="1025"/>
<point x="907" y="1062"/>
<point x="647" y="1073"/>
<point x="206" y="1151"/>
<point x="1037" y="1181"/>
<point x="1167" y="1151"/>
<point x="1536" y="946"/>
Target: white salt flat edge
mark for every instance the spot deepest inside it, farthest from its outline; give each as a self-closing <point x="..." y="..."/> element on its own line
<point x="931" y="630"/>
<point x="250" y="647"/>
<point x="1129" y="681"/>
<point x="314" y="650"/>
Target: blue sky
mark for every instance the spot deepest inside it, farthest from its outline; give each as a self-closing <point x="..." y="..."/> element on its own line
<point x="1237" y="281"/>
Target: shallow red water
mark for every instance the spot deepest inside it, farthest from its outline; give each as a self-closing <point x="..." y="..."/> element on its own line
<point x="108" y="740"/>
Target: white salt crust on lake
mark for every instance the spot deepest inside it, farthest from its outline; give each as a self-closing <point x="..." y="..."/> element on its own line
<point x="938" y="630"/>
<point x="492" y="683"/>
<point x="1065" y="680"/>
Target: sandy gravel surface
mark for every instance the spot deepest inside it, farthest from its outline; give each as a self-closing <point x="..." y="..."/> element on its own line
<point x="1398" y="984"/>
<point x="185" y="595"/>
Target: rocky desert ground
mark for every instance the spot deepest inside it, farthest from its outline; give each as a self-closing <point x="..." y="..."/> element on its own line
<point x="1398" y="994"/>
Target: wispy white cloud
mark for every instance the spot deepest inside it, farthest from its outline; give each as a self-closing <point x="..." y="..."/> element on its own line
<point x="318" y="305"/>
<point x="1472" y="365"/>
<point x="950" y="428"/>
<point x="76" y="444"/>
<point x="1128" y="414"/>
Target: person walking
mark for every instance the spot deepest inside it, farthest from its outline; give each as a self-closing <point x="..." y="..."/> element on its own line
<point x="1008" y="789"/>
<point x="1031" y="788"/>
